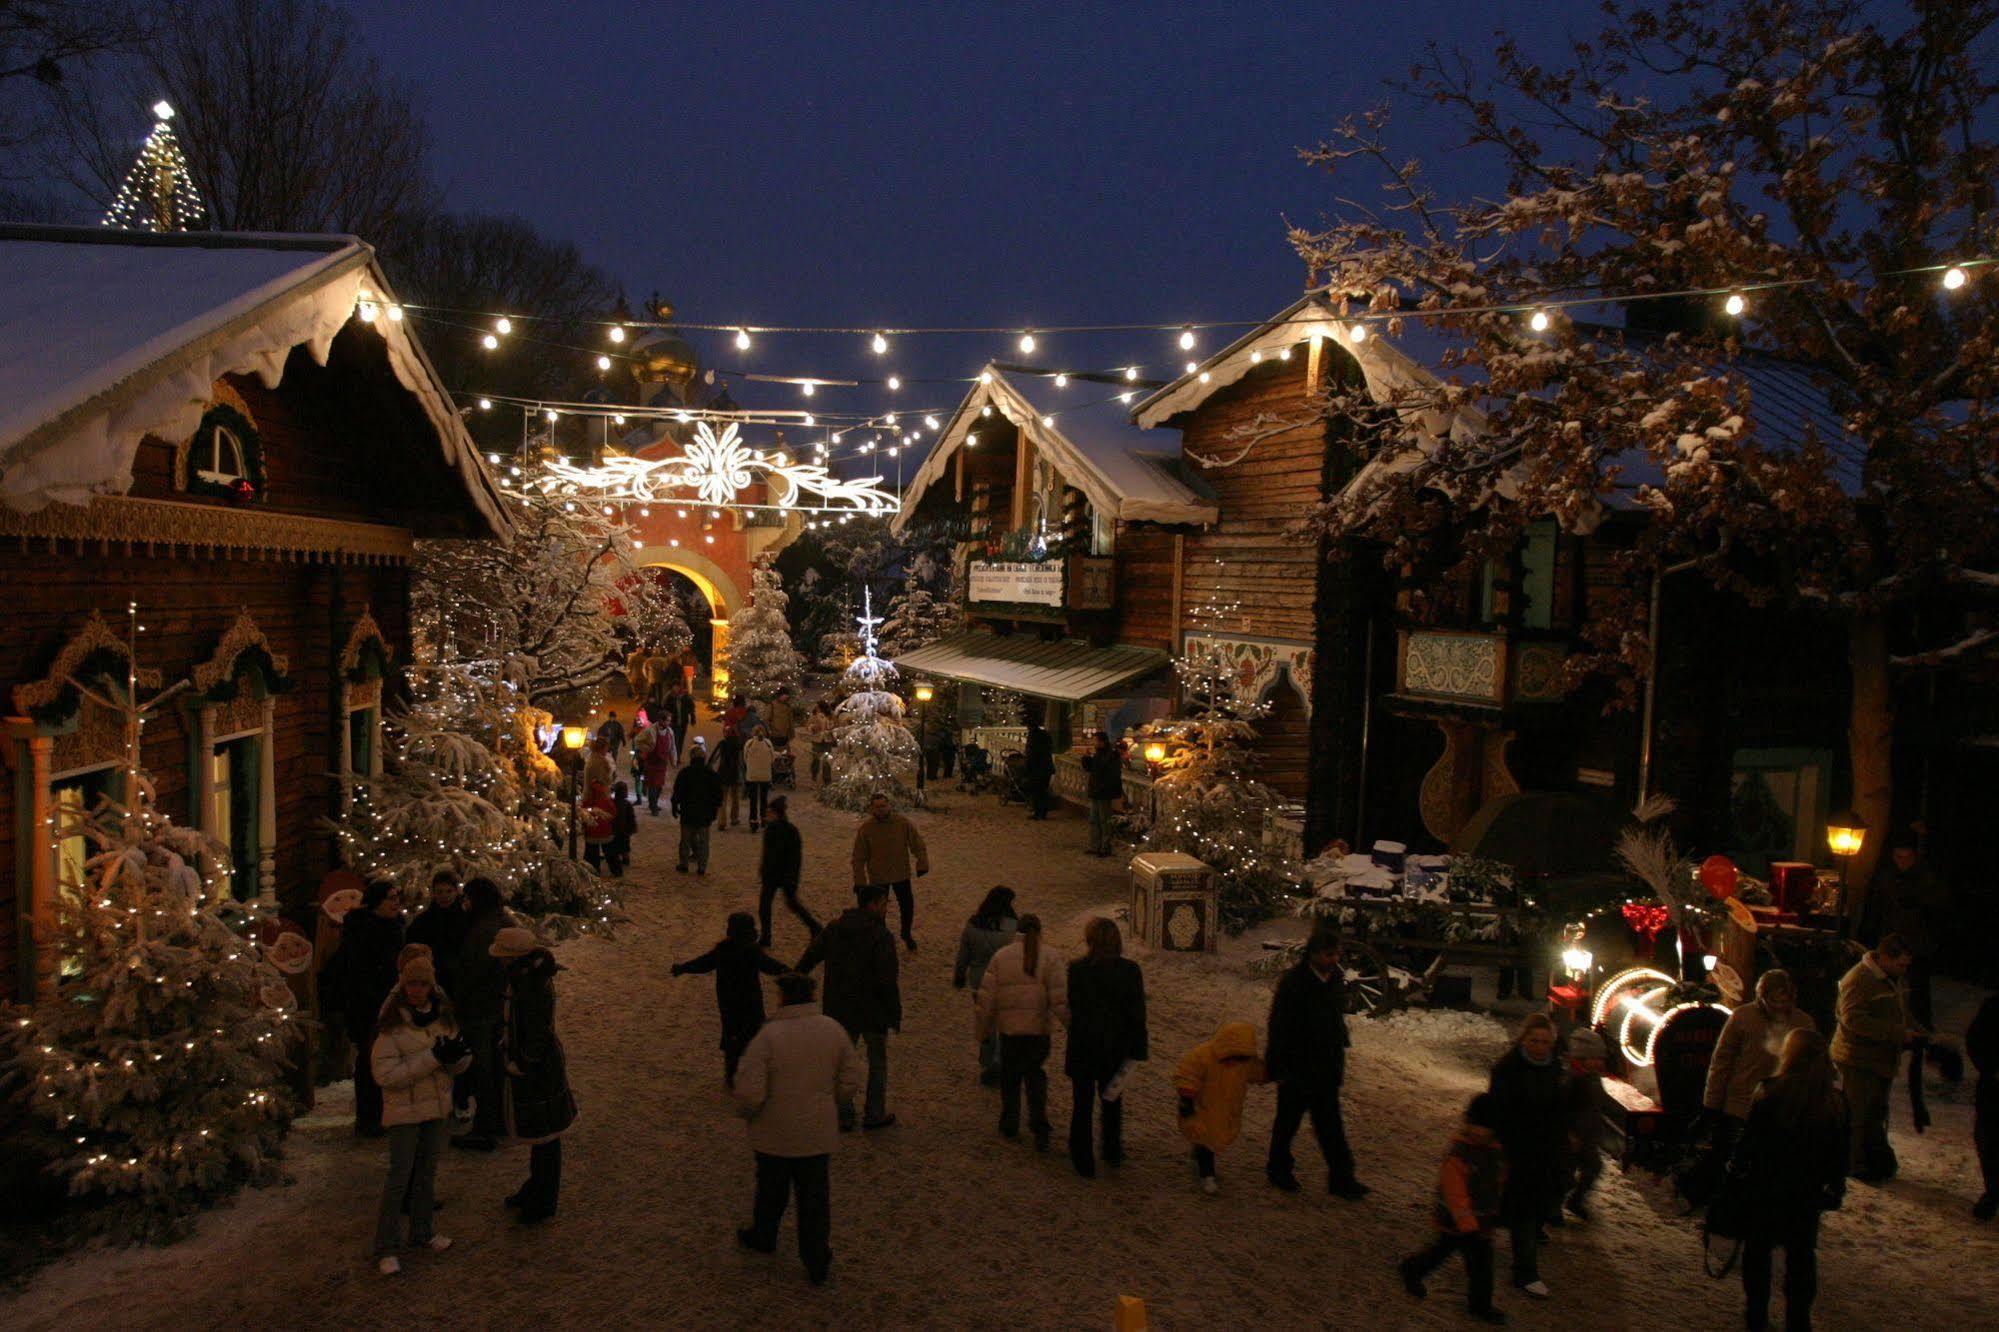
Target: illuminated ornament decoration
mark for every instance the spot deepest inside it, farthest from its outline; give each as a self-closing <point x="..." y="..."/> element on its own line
<point x="158" y="194"/>
<point x="715" y="468"/>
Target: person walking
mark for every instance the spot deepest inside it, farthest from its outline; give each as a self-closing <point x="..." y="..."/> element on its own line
<point x="1038" y="769"/>
<point x="612" y="732"/>
<point x="371" y="935"/>
<point x="624" y="822"/>
<point x="1307" y="1059"/>
<point x="1582" y="1109"/>
<point x="1213" y="1082"/>
<point x="1022" y="995"/>
<point x="991" y="928"/>
<point x="728" y="767"/>
<point x="680" y="714"/>
<point x="1107" y="1034"/>
<point x="1981" y="1046"/>
<point x="1466" y="1211"/>
<point x="481" y="1000"/>
<point x="783" y="720"/>
<point x="697" y="797"/>
<point x="1746" y="1054"/>
<point x="758" y="756"/>
<point x="540" y="1108"/>
<point x="779" y="868"/>
<point x="739" y="965"/>
<point x="797" y="1075"/>
<point x="1105" y="770"/>
<point x="1527" y="1083"/>
<point x="1873" y="1027"/>
<point x="655" y="762"/>
<point x="441" y="926"/>
<point x="597" y="767"/>
<point x="862" y="991"/>
<point x="1906" y="899"/>
<point x="885" y="846"/>
<point x="599" y="818"/>
<point x="415" y="1052"/>
<point x="1791" y="1168"/>
<point x="819" y="728"/>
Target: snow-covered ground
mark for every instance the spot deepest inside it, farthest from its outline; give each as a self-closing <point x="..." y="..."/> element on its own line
<point x="938" y="1222"/>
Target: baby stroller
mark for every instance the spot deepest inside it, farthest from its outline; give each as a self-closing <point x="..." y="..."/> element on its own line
<point x="1013" y="778"/>
<point x="783" y="767"/>
<point x="975" y="769"/>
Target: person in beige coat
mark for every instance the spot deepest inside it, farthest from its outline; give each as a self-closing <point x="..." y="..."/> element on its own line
<point x="1024" y="994"/>
<point x="885" y="846"/>
<point x="797" y="1072"/>
<point x="1747" y="1051"/>
<point x="417" y="1052"/>
<point x="1867" y="1049"/>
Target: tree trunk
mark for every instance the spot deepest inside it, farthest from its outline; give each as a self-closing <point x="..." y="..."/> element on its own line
<point x="1870" y="742"/>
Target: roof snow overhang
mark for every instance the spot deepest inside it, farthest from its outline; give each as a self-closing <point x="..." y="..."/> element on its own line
<point x="1125" y="474"/>
<point x="107" y="337"/>
<point x="1064" y="669"/>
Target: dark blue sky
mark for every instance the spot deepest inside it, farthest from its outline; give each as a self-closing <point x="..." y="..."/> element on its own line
<point x="917" y="165"/>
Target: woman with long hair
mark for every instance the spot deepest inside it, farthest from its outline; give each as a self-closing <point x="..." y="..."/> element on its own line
<point x="1106" y="1019"/>
<point x="415" y="1053"/>
<point x="1024" y="994"/>
<point x="1791" y="1166"/>
<point x="990" y="929"/>
<point x="1533" y="1128"/>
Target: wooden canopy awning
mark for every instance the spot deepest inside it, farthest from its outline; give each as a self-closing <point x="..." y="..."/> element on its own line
<point x="1064" y="669"/>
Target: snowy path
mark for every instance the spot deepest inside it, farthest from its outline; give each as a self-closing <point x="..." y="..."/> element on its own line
<point x="937" y="1222"/>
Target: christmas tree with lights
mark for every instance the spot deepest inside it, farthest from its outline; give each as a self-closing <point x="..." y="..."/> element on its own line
<point x="158" y="194"/>
<point x="762" y="659"/>
<point x="873" y="752"/>
<point x="917" y="618"/>
<point x="1207" y="800"/>
<point x="153" y="1075"/>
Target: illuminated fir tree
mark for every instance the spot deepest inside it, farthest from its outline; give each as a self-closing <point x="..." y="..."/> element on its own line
<point x="158" y="194"/>
<point x="873" y="751"/>
<point x="762" y="659"/>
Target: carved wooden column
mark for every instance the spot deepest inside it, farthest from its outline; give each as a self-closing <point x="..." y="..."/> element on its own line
<point x="204" y="770"/>
<point x="267" y="807"/>
<point x="40" y="915"/>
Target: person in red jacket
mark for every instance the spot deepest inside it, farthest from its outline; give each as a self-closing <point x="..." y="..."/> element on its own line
<point x="599" y="818"/>
<point x="1467" y="1209"/>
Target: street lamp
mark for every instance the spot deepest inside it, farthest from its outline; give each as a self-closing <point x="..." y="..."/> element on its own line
<point x="924" y="693"/>
<point x="1845" y="833"/>
<point x="572" y="740"/>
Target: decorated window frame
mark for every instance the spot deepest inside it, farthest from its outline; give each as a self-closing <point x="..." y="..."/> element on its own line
<point x="365" y="663"/>
<point x="201" y="466"/>
<point x="58" y="736"/>
<point x="234" y="703"/>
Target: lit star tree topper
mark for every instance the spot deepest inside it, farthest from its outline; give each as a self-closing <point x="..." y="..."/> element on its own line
<point x="158" y="193"/>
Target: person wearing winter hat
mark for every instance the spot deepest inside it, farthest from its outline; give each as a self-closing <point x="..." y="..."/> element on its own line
<point x="1213" y="1081"/>
<point x="1467" y="1209"/>
<point x="416" y="1051"/>
<point x="1527" y="1086"/>
<point x="1582" y="1102"/>
<point x="540" y="1107"/>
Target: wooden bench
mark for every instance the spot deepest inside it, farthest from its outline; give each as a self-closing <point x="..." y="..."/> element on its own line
<point x="1639" y="1118"/>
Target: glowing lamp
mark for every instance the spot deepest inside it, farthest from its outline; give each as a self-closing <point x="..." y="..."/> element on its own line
<point x="573" y="737"/>
<point x="1155" y="752"/>
<point x="1577" y="960"/>
<point x="1845" y="833"/>
<point x="924" y="693"/>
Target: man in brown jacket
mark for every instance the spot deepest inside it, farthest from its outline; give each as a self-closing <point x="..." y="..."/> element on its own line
<point x="1867" y="1048"/>
<point x="884" y="846"/>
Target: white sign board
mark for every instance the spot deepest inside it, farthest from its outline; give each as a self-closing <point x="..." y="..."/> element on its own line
<point x="1033" y="584"/>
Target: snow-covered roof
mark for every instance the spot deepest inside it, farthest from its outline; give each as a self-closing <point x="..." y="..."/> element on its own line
<point x="109" y="336"/>
<point x="1089" y="437"/>
<point x="1067" y="668"/>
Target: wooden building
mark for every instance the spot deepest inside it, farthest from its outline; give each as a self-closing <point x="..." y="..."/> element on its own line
<point x="240" y="436"/>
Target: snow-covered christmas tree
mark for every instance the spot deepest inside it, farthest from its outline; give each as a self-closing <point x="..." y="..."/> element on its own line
<point x="762" y="659"/>
<point x="917" y="618"/>
<point x="157" y="194"/>
<point x="873" y="751"/>
<point x="1207" y="800"/>
<point x="1002" y="707"/>
<point x="153" y="1078"/>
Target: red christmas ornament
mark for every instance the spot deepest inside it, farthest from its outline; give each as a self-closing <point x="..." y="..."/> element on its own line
<point x="1645" y="921"/>
<point x="1719" y="876"/>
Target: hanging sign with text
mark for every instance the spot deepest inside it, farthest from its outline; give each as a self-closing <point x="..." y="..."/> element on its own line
<point x="1028" y="584"/>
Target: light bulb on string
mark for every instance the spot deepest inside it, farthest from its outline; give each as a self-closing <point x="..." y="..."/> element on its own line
<point x="742" y="339"/>
<point x="489" y="342"/>
<point x="1027" y="344"/>
<point x="617" y="333"/>
<point x="808" y="388"/>
<point x="1187" y="338"/>
<point x="1131" y="372"/>
<point x="810" y="420"/>
<point x="1735" y="304"/>
<point x="880" y="344"/>
<point x="1284" y="354"/>
<point x="894" y="383"/>
<point x="485" y="404"/>
<point x="930" y="421"/>
<point x="603" y="363"/>
<point x="1538" y="321"/>
<point x="1954" y="277"/>
<point x="503" y="325"/>
<point x="1191" y="367"/>
<point x="395" y="314"/>
<point x="1357" y="334"/>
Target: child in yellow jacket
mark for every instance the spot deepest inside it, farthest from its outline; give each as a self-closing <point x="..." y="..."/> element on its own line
<point x="1213" y="1080"/>
<point x="1467" y="1209"/>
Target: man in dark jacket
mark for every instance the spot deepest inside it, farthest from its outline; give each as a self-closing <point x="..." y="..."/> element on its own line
<point x="861" y="990"/>
<point x="370" y="937"/>
<point x="783" y="860"/>
<point x="680" y="716"/>
<point x="481" y="1001"/>
<point x="1906" y="899"/>
<point x="441" y="927"/>
<point x="1307" y="1060"/>
<point x="697" y="796"/>
<point x="1106" y="773"/>
<point x="1038" y="770"/>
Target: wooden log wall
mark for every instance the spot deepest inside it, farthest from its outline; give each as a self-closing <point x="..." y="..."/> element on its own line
<point x="1146" y="573"/>
<point x="186" y="604"/>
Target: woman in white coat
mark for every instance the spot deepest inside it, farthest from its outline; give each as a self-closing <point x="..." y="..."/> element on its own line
<point x="416" y="1054"/>
<point x="1024" y="994"/>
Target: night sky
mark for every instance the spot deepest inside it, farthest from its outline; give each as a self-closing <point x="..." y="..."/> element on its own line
<point x="1021" y="164"/>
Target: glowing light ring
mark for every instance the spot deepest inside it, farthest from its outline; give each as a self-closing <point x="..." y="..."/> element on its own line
<point x="1634" y="1007"/>
<point x="1629" y="976"/>
<point x="714" y="467"/>
<point x="1665" y="1017"/>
